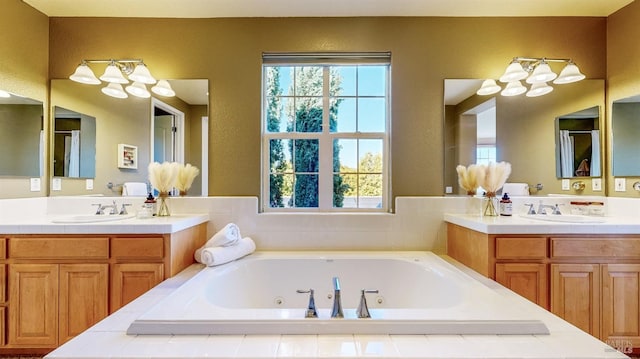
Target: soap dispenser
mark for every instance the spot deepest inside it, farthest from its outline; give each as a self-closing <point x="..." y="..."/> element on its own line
<point x="506" y="206"/>
<point x="150" y="204"/>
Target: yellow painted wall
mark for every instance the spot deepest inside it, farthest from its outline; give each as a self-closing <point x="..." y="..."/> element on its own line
<point x="623" y="73"/>
<point x="425" y="51"/>
<point x="24" y="64"/>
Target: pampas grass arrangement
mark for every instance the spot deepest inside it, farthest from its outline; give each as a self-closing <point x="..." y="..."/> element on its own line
<point x="163" y="178"/>
<point x="495" y="176"/>
<point x="186" y="174"/>
<point x="468" y="177"/>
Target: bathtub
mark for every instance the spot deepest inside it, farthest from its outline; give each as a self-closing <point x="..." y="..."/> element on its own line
<point x="418" y="293"/>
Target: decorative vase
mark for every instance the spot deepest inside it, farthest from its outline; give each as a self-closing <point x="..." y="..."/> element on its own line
<point x="473" y="205"/>
<point x="163" y="208"/>
<point x="491" y="205"/>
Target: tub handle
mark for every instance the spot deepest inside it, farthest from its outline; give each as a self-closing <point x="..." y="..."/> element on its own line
<point x="311" y="308"/>
<point x="363" y="309"/>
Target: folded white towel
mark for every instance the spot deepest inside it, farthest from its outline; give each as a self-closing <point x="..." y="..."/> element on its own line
<point x="229" y="235"/>
<point x="213" y="256"/>
<point x="134" y="189"/>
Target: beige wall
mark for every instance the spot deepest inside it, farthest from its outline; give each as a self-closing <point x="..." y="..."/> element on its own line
<point x="623" y="72"/>
<point x="24" y="61"/>
<point x="425" y="51"/>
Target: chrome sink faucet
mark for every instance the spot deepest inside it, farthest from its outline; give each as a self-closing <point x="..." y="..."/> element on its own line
<point x="336" y="312"/>
<point x="101" y="208"/>
<point x="555" y="209"/>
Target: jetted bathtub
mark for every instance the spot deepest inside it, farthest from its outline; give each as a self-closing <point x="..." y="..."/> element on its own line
<point x="418" y="293"/>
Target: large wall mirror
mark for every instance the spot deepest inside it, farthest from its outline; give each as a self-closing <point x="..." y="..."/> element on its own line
<point x="21" y="136"/>
<point x="520" y="130"/>
<point x="128" y="122"/>
<point x="625" y="137"/>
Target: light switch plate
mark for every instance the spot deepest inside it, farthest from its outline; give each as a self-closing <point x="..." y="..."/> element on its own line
<point x="56" y="184"/>
<point x="89" y="184"/>
<point x="621" y="184"/>
<point x="35" y="184"/>
<point x="596" y="184"/>
<point x="566" y="185"/>
<point x="448" y="189"/>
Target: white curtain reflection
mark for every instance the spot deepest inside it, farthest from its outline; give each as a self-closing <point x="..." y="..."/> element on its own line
<point x="595" y="153"/>
<point x="72" y="154"/>
<point x="566" y="154"/>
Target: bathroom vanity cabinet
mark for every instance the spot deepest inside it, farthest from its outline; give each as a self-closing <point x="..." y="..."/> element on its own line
<point x="590" y="280"/>
<point x="53" y="287"/>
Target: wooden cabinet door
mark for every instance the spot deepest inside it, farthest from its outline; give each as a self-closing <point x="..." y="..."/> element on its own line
<point x="620" y="303"/>
<point x="575" y="295"/>
<point x="33" y="305"/>
<point x="130" y="280"/>
<point x="527" y="279"/>
<point x="83" y="298"/>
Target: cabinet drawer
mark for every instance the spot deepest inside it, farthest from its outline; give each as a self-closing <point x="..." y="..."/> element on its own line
<point x="137" y="248"/>
<point x="58" y="248"/>
<point x="521" y="248"/>
<point x="595" y="247"/>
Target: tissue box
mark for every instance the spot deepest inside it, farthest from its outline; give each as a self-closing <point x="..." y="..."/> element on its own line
<point x="516" y="189"/>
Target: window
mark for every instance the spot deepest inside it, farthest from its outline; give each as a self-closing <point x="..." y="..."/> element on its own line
<point x="325" y="133"/>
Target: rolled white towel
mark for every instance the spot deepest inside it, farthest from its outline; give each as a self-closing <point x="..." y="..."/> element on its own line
<point x="229" y="235"/>
<point x="213" y="256"/>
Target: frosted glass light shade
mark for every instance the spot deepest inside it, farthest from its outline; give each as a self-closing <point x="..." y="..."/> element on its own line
<point x="113" y="74"/>
<point x="114" y="90"/>
<point x="489" y="87"/>
<point x="138" y="89"/>
<point x="570" y="73"/>
<point x="4" y="94"/>
<point x="514" y="88"/>
<point x="542" y="73"/>
<point x="539" y="89"/>
<point x="514" y="72"/>
<point x="163" y="88"/>
<point x="141" y="74"/>
<point x="84" y="75"/>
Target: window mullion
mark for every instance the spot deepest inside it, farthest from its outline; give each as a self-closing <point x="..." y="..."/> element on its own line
<point x="325" y="177"/>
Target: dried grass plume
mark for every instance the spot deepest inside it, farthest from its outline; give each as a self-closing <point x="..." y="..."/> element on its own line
<point x="163" y="176"/>
<point x="186" y="174"/>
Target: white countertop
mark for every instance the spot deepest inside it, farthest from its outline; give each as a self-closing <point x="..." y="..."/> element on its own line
<point x="517" y="224"/>
<point x="108" y="338"/>
<point x="43" y="224"/>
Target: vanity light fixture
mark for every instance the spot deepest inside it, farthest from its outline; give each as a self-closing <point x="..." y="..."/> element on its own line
<point x="535" y="71"/>
<point x="4" y="94"/>
<point x="114" y="75"/>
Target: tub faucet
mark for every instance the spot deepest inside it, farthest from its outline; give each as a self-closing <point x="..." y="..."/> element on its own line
<point x="363" y="310"/>
<point x="336" y="312"/>
<point x="311" y="308"/>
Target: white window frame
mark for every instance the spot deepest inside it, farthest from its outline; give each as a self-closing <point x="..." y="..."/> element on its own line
<point x="326" y="138"/>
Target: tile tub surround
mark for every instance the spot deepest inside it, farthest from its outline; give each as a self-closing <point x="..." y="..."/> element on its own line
<point x="107" y="339"/>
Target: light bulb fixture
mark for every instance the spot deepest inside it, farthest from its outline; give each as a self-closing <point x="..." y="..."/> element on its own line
<point x="138" y="89"/>
<point x="489" y="87"/>
<point x="163" y="88"/>
<point x="539" y="89"/>
<point x="114" y="89"/>
<point x="537" y="72"/>
<point x="114" y="74"/>
<point x="514" y="88"/>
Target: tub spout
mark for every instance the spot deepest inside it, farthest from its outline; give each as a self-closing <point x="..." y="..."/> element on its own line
<point x="336" y="312"/>
<point x="363" y="310"/>
<point x="311" y="308"/>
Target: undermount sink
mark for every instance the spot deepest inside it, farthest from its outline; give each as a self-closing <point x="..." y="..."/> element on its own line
<point x="568" y="218"/>
<point x="90" y="218"/>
